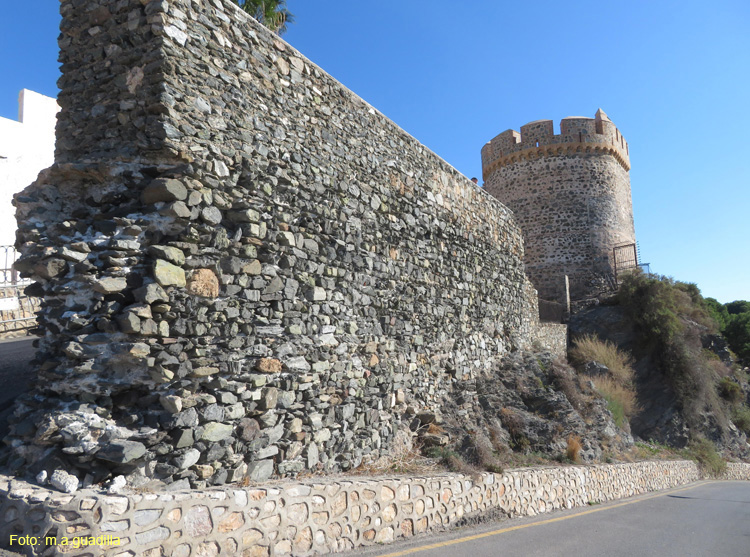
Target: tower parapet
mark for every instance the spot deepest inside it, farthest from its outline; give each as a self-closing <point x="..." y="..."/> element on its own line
<point x="570" y="193"/>
<point x="538" y="139"/>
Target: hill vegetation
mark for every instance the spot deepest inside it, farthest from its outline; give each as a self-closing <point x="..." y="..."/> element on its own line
<point x="691" y="389"/>
<point x="733" y="320"/>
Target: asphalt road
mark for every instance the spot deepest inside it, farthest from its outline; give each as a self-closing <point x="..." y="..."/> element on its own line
<point x="15" y="374"/>
<point x="704" y="519"/>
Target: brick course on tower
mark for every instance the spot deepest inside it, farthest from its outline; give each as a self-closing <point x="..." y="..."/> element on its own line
<point x="571" y="196"/>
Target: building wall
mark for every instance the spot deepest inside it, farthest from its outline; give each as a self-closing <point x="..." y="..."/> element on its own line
<point x="570" y="193"/>
<point x="246" y="268"/>
<point x="27" y="146"/>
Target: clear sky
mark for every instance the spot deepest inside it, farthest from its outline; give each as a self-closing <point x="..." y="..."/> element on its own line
<point x="673" y="76"/>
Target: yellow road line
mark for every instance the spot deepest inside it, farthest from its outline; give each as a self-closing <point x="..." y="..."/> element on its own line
<point x="540" y="523"/>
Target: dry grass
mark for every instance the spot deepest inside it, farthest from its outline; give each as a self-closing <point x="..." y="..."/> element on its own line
<point x="496" y="438"/>
<point x="400" y="462"/>
<point x="651" y="450"/>
<point x="715" y="365"/>
<point x="741" y="418"/>
<point x="617" y="387"/>
<point x="515" y="424"/>
<point x="589" y="348"/>
<point x="709" y="461"/>
<point x="621" y="399"/>
<point x="563" y="379"/>
<point x="730" y="391"/>
<point x="484" y="454"/>
<point x="512" y="421"/>
<point x="573" y="452"/>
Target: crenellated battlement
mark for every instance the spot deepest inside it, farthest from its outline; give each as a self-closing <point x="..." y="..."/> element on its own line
<point x="570" y="193"/>
<point x="536" y="139"/>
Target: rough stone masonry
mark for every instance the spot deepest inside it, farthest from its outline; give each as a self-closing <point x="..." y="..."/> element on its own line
<point x="570" y="194"/>
<point x="246" y="269"/>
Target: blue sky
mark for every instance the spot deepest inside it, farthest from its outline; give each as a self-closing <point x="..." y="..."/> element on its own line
<point x="673" y="76"/>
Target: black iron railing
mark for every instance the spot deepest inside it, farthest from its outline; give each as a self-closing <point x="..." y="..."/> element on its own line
<point x="17" y="310"/>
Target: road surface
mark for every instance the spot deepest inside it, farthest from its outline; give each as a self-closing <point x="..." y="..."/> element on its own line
<point x="702" y="519"/>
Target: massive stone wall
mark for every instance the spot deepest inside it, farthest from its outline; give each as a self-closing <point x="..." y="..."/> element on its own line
<point x="310" y="517"/>
<point x="246" y="268"/>
<point x="570" y="194"/>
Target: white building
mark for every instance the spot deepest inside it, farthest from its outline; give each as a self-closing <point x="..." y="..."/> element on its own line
<point x="26" y="148"/>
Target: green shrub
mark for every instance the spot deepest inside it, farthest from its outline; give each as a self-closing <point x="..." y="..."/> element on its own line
<point x="651" y="304"/>
<point x="737" y="333"/>
<point x="741" y="418"/>
<point x="737" y="307"/>
<point x="658" y="304"/>
<point x="734" y="322"/>
<point x="666" y="313"/>
<point x="621" y="401"/>
<point x="718" y="311"/>
<point x="452" y="460"/>
<point x="704" y="453"/>
<point x="731" y="391"/>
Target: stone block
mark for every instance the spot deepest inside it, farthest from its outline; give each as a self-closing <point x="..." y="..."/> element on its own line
<point x="164" y="189"/>
<point x="197" y="521"/>
<point x="260" y="470"/>
<point x="121" y="451"/>
<point x="65" y="482"/>
<point x="50" y="267"/>
<point x="203" y="282"/>
<point x="269" y="365"/>
<point x="168" y="253"/>
<point x="187" y="459"/>
<point x="110" y="285"/>
<point x="151" y="293"/>
<point x="214" y="431"/>
<point x="167" y="274"/>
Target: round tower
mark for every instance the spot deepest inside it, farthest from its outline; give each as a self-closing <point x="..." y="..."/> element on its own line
<point x="571" y="197"/>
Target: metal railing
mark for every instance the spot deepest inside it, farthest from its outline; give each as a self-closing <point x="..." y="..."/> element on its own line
<point x="17" y="310"/>
<point x="624" y="258"/>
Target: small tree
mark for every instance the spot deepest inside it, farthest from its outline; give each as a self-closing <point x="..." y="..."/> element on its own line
<point x="737" y="333"/>
<point x="271" y="13"/>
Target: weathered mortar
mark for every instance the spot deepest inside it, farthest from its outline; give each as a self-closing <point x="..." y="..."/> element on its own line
<point x="246" y="268"/>
<point x="315" y="516"/>
<point x="570" y="194"/>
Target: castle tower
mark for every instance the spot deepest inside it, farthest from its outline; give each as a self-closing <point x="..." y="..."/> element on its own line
<point x="571" y="197"/>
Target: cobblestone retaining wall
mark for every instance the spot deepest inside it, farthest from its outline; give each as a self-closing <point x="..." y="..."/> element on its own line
<point x="246" y="269"/>
<point x="737" y="471"/>
<point x="316" y="516"/>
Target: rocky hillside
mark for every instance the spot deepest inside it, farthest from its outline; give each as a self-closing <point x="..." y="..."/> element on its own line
<point x="530" y="404"/>
<point x="687" y="384"/>
<point x="673" y="381"/>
